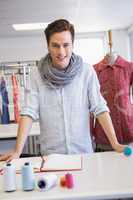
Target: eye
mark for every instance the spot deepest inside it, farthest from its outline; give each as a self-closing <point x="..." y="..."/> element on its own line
<point x="55" y="45"/>
<point x="66" y="45"/>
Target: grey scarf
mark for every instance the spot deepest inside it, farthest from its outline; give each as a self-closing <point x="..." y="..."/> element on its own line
<point x="58" y="78"/>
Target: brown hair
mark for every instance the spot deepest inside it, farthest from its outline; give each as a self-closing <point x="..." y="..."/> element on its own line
<point x="59" y="26"/>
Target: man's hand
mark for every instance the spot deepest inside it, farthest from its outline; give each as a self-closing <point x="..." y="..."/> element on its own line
<point x="119" y="147"/>
<point x="9" y="156"/>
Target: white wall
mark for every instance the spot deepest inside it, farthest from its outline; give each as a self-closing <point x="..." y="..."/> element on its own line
<point x="131" y="44"/>
<point x="34" y="47"/>
<point x="120" y="41"/>
<point x="22" y="48"/>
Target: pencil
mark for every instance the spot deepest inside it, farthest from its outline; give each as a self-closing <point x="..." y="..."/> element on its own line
<point x="42" y="163"/>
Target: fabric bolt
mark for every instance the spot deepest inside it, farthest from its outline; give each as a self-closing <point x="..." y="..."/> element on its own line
<point x="5" y="118"/>
<point x="64" y="112"/>
<point x="15" y="98"/>
<point x="115" y="81"/>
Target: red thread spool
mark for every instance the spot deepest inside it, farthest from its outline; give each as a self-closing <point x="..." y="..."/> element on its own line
<point x="69" y="180"/>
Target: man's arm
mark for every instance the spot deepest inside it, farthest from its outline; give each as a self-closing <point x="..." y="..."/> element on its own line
<point x="24" y="127"/>
<point x="106" y="123"/>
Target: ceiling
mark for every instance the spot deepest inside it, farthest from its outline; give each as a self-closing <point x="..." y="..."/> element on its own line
<point x="87" y="15"/>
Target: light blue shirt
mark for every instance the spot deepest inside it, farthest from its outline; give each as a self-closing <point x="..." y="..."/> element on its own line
<point x="64" y="113"/>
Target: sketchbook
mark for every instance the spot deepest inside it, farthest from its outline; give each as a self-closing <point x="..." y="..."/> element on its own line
<point x="52" y="162"/>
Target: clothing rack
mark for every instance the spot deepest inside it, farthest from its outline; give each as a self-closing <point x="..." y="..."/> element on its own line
<point x="18" y="68"/>
<point x="18" y="63"/>
<point x="22" y="72"/>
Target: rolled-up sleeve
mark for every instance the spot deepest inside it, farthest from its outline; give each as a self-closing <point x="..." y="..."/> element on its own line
<point x="97" y="103"/>
<point x="31" y="105"/>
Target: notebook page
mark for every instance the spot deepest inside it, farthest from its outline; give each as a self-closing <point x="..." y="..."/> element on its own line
<point x="63" y="162"/>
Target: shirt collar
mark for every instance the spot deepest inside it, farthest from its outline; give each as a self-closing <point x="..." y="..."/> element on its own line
<point x="119" y="62"/>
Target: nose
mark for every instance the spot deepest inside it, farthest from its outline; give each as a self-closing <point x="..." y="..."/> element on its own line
<point x="61" y="51"/>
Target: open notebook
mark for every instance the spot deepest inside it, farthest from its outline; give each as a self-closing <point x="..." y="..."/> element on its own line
<point x="53" y="162"/>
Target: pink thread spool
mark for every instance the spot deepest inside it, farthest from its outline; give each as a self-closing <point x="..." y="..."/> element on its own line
<point x="69" y="180"/>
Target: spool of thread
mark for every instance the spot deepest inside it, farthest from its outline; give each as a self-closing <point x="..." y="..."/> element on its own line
<point x="69" y="180"/>
<point x="28" y="178"/>
<point x="127" y="151"/>
<point x="63" y="181"/>
<point x="9" y="178"/>
<point x="47" y="181"/>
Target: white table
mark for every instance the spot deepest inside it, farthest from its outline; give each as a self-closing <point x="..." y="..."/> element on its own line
<point x="8" y="134"/>
<point x="107" y="175"/>
<point x="10" y="130"/>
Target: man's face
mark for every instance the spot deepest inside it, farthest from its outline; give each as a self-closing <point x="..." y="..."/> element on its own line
<point x="60" y="48"/>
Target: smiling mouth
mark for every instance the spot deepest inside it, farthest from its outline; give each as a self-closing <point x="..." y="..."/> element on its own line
<point x="61" y="59"/>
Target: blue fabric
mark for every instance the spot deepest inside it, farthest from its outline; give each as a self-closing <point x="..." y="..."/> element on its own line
<point x="5" y="119"/>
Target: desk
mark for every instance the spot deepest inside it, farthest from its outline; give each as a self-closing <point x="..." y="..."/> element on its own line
<point x="8" y="134"/>
<point x="107" y="175"/>
<point x="10" y="130"/>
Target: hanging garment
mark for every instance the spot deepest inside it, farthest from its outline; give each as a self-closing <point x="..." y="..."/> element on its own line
<point x="0" y="109"/>
<point x="5" y="119"/>
<point x="115" y="81"/>
<point x="15" y="99"/>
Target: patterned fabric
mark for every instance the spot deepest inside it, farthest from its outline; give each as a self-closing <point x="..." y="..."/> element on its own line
<point x="64" y="113"/>
<point x="115" y="84"/>
<point x="15" y="98"/>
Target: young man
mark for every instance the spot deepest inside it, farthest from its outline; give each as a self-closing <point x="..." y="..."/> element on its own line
<point x="64" y="91"/>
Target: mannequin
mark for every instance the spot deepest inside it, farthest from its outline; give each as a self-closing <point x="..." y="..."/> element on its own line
<point x="111" y="58"/>
<point x="115" y="75"/>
